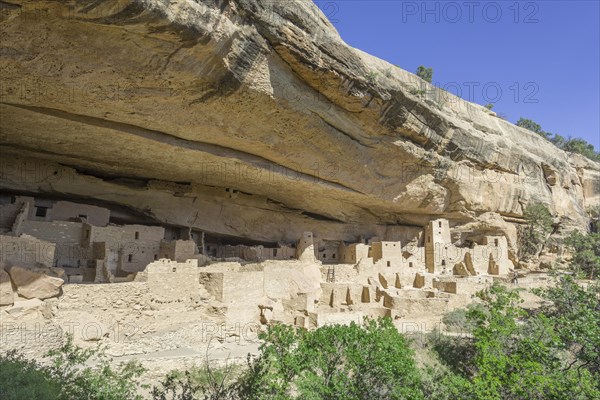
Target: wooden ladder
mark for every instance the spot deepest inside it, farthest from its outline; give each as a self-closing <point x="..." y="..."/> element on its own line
<point x="331" y="274"/>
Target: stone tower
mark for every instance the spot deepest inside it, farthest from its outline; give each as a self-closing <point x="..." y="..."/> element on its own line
<point x="305" y="249"/>
<point x="437" y="241"/>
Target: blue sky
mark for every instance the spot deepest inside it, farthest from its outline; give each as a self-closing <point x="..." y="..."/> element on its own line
<point x="543" y="56"/>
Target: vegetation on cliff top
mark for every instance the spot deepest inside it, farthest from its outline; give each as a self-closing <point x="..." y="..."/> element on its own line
<point x="572" y="145"/>
<point x="425" y="73"/>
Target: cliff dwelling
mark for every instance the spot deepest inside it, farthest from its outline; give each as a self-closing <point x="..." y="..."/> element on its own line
<point x="311" y="281"/>
<point x="179" y="177"/>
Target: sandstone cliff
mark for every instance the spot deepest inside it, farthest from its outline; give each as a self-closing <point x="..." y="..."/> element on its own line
<point x="253" y="118"/>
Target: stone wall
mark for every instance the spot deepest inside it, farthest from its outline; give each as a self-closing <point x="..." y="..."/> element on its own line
<point x="132" y="247"/>
<point x="287" y="288"/>
<point x="26" y="251"/>
<point x="66" y="235"/>
<point x="178" y="250"/>
<point x="328" y="251"/>
<point x="21" y="216"/>
<point x="288" y="279"/>
<point x="388" y="252"/>
<point x="66" y="210"/>
<point x="171" y="280"/>
<point x="353" y="253"/>
<point x="241" y="291"/>
<point x="8" y="214"/>
<point x="255" y="253"/>
<point x="231" y="287"/>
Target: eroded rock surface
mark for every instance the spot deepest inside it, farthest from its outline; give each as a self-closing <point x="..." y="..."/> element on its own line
<point x="253" y="118"/>
<point x="6" y="290"/>
<point x="31" y="284"/>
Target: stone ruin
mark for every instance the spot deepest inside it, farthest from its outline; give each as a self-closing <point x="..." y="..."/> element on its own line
<point x="310" y="283"/>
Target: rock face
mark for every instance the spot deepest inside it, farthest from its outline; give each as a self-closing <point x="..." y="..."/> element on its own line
<point x="31" y="284"/>
<point x="253" y="118"/>
<point x="21" y="308"/>
<point x="6" y="290"/>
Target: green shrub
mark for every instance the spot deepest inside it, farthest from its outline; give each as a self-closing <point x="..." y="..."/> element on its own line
<point x="425" y="73"/>
<point x="457" y="321"/>
<point x="100" y="382"/>
<point x="586" y="253"/>
<point x="440" y="383"/>
<point x="532" y="126"/>
<point x="24" y="379"/>
<point x="581" y="146"/>
<point x="594" y="213"/>
<point x="207" y="382"/>
<point x="575" y="312"/>
<point x="372" y="77"/>
<point x="176" y="385"/>
<point x="67" y="377"/>
<point x="572" y="145"/>
<point x="533" y="236"/>
<point x="334" y="362"/>
<point x="456" y="353"/>
<point x="513" y="354"/>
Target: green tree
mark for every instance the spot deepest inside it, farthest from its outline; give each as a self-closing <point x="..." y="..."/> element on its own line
<point x="334" y="362"/>
<point x="580" y="146"/>
<point x="25" y="379"/>
<point x="207" y="382"/>
<point x="533" y="236"/>
<point x="441" y="383"/>
<point x="575" y="313"/>
<point x="532" y="126"/>
<point x="496" y="332"/>
<point x="68" y="377"/>
<point x="489" y="106"/>
<point x="586" y="253"/>
<point x="101" y="382"/>
<point x="517" y="354"/>
<point x="558" y="140"/>
<point x="594" y="213"/>
<point x="425" y="73"/>
<point x="177" y="385"/>
<point x="270" y="375"/>
<point x="573" y="145"/>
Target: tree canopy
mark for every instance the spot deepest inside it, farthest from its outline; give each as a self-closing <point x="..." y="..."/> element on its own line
<point x="534" y="234"/>
<point x="572" y="145"/>
<point x="425" y="73"/>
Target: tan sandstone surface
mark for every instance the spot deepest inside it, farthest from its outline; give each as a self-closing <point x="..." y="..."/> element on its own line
<point x="253" y="118"/>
